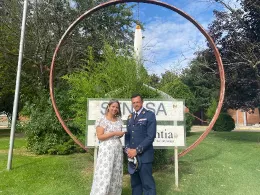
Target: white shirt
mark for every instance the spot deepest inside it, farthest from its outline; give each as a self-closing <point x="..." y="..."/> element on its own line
<point x="139" y="111"/>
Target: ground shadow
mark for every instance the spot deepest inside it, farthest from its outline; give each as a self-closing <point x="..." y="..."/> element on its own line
<point x="6" y="133"/>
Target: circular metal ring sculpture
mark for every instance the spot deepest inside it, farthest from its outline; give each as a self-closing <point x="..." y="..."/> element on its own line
<point x="180" y="12"/>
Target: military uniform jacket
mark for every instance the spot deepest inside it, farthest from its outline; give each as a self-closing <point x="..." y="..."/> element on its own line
<point x="141" y="134"/>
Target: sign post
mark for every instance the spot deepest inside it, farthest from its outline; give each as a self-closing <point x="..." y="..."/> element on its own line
<point x="176" y="166"/>
<point x="95" y="156"/>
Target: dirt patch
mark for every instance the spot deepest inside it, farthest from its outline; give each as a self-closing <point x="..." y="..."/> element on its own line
<point x="21" y="152"/>
<point x="126" y="180"/>
<point x="88" y="170"/>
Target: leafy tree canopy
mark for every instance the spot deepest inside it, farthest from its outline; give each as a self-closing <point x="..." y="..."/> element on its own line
<point x="115" y="77"/>
<point x="236" y="34"/>
<point x="46" y="22"/>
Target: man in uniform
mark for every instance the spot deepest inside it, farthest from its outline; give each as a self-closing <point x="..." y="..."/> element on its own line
<point x="141" y="131"/>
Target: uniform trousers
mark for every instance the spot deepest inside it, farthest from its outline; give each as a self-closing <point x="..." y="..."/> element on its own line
<point x="142" y="181"/>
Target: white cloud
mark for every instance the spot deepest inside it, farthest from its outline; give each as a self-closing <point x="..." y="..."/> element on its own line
<point x="169" y="45"/>
<point x="170" y="40"/>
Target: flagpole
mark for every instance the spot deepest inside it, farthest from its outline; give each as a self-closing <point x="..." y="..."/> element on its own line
<point x="17" y="87"/>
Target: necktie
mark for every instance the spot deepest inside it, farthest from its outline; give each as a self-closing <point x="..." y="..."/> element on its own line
<point x="136" y="114"/>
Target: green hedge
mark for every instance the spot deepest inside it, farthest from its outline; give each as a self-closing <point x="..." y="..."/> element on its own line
<point x="224" y="123"/>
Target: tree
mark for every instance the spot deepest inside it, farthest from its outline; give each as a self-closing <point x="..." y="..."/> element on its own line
<point x="168" y="77"/>
<point x="116" y="73"/>
<point x="46" y="22"/>
<point x="178" y="90"/>
<point x="9" y="44"/>
<point x="114" y="76"/>
<point x="154" y="80"/>
<point x="203" y="81"/>
<point x="235" y="32"/>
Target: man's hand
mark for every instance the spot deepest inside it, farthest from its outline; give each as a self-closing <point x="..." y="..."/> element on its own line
<point x="131" y="153"/>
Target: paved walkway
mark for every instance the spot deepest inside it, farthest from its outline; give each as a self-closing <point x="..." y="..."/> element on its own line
<point x="196" y="128"/>
<point x="247" y="129"/>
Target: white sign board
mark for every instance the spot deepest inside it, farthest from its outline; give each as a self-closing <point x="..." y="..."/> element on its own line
<point x="165" y="111"/>
<point x="168" y="135"/>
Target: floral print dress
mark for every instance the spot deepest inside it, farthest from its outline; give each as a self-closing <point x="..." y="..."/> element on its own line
<point x="109" y="168"/>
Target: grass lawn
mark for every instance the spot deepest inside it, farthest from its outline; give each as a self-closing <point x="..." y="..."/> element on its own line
<point x="224" y="163"/>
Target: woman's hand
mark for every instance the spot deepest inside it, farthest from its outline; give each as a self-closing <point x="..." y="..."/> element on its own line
<point x="119" y="133"/>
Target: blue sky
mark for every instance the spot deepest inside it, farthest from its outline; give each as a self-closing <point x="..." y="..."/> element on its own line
<point x="170" y="40"/>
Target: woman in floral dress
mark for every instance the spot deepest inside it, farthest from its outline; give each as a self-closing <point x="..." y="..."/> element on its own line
<point x="109" y="168"/>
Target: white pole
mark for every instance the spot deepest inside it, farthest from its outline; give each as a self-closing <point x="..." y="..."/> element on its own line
<point x="245" y="118"/>
<point x="17" y="87"/>
<point x="176" y="167"/>
<point x="236" y="118"/>
<point x="95" y="157"/>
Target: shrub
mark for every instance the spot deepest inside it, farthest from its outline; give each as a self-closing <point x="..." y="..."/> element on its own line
<point x="224" y="123"/>
<point x="188" y="122"/>
<point x="43" y="131"/>
<point x="68" y="147"/>
<point x="160" y="158"/>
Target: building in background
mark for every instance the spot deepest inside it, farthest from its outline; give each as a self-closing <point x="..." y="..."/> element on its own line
<point x="245" y="118"/>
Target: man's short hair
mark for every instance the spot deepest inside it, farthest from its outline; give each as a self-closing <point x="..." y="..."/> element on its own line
<point x="136" y="95"/>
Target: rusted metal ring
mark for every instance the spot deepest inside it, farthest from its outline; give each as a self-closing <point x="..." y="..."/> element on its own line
<point x="162" y="4"/>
